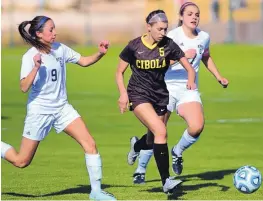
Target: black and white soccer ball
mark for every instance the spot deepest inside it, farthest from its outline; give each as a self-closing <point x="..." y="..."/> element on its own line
<point x="247" y="179"/>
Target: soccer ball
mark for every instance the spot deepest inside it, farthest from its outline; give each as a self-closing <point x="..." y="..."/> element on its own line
<point x="247" y="179"/>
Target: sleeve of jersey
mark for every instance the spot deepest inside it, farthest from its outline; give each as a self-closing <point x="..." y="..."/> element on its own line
<point x="206" y="51"/>
<point x="26" y="66"/>
<point x="176" y="53"/>
<point x="70" y="55"/>
<point x="126" y="54"/>
<point x="172" y="35"/>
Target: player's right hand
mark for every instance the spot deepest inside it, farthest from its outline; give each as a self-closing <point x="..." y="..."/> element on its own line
<point x="123" y="102"/>
<point x="190" y="54"/>
<point x="37" y="60"/>
<point x="104" y="46"/>
<point x="224" y="82"/>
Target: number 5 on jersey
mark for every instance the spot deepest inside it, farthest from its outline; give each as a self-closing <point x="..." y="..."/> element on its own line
<point x="161" y="51"/>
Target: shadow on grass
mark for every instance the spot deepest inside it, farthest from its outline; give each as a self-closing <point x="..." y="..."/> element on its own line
<point x="5" y="117"/>
<point x="205" y="176"/>
<point x="177" y="193"/>
<point x="80" y="189"/>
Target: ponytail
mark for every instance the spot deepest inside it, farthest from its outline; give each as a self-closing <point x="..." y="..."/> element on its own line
<point x="30" y="37"/>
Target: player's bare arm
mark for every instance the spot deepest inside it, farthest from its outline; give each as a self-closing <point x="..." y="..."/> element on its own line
<point x="211" y="66"/>
<point x="86" y="61"/>
<point x="123" y="100"/>
<point x="191" y="73"/>
<point x="26" y="82"/>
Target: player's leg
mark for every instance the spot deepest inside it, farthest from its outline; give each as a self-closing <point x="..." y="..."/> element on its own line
<point x="146" y="141"/>
<point x="148" y="116"/>
<point x="78" y="130"/>
<point x="167" y="117"/>
<point x="144" y="157"/>
<point x="192" y="113"/>
<point x="36" y="127"/>
<point x="72" y="124"/>
<point x="136" y="145"/>
<point x="139" y="174"/>
<point x="25" y="155"/>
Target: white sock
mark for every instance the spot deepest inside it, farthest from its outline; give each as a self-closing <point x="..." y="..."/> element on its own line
<point x="185" y="142"/>
<point x="4" y="148"/>
<point x="145" y="156"/>
<point x="93" y="163"/>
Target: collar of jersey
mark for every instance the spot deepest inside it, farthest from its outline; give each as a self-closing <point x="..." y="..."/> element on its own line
<point x="191" y="39"/>
<point x="147" y="44"/>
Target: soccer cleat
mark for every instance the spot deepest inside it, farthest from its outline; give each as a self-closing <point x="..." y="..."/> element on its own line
<point x="101" y="195"/>
<point x="139" y="178"/>
<point x="132" y="155"/>
<point x="171" y="184"/>
<point x="177" y="163"/>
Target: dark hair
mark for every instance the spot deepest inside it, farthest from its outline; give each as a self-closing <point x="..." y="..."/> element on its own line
<point x="30" y="37"/>
<point x="182" y="9"/>
<point x="151" y="14"/>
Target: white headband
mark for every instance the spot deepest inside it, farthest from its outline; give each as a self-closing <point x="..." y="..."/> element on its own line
<point x="159" y="17"/>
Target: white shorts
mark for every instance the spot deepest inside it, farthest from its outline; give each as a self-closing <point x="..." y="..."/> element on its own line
<point x="37" y="126"/>
<point x="179" y="94"/>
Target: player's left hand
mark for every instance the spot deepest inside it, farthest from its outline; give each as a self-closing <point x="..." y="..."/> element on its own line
<point x="103" y="46"/>
<point x="191" y="86"/>
<point x="224" y="82"/>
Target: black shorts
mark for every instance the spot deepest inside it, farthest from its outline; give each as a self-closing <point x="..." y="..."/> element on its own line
<point x="160" y="106"/>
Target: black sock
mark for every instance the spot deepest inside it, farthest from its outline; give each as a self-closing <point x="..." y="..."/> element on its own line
<point x="142" y="144"/>
<point x="161" y="156"/>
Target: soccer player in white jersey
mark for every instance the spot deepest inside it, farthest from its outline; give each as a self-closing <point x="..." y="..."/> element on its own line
<point x="187" y="103"/>
<point x="44" y="71"/>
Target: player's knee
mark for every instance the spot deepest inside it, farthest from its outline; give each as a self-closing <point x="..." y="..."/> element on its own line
<point x="160" y="133"/>
<point x="89" y="146"/>
<point x="22" y="163"/>
<point x="196" y="130"/>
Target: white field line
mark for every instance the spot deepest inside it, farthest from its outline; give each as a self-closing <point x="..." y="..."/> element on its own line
<point x="227" y="121"/>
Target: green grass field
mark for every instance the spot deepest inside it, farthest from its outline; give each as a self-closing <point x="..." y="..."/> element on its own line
<point x="232" y="136"/>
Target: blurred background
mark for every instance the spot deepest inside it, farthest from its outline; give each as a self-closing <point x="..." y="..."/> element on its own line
<point x="88" y="21"/>
<point x="234" y="116"/>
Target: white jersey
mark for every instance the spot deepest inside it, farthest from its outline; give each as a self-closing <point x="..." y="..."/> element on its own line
<point x="48" y="92"/>
<point x="176" y="72"/>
